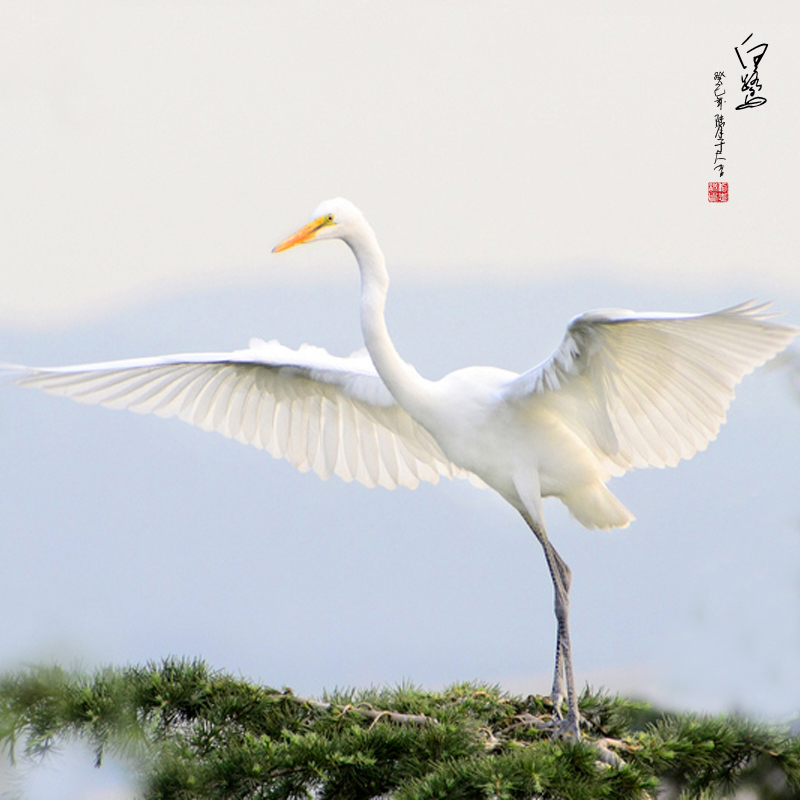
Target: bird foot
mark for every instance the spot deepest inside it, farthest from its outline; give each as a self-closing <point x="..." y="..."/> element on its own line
<point x="567" y="728"/>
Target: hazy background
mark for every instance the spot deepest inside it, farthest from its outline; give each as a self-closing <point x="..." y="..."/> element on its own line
<point x="519" y="168"/>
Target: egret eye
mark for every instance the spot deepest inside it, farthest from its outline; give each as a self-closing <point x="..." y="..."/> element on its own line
<point x="330" y="217"/>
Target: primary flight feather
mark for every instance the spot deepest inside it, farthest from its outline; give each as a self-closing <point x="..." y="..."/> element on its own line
<point x="328" y="414"/>
<point x="623" y="390"/>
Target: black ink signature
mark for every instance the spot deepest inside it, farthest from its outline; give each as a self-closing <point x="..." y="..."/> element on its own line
<point x="750" y="82"/>
<point x="718" y="96"/>
<point x="720" y="122"/>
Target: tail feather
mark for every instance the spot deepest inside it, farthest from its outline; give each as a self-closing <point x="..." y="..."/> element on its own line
<point x="594" y="506"/>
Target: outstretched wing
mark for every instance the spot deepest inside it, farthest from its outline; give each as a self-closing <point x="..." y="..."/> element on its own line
<point x="650" y="389"/>
<point x="332" y="415"/>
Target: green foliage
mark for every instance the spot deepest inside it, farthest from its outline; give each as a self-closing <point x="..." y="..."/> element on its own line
<point x="193" y="733"/>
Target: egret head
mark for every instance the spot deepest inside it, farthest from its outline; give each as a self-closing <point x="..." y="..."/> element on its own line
<point x="333" y="219"/>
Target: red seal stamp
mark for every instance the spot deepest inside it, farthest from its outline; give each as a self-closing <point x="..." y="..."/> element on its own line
<point x="717" y="192"/>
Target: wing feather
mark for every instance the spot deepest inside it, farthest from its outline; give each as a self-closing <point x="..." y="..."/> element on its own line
<point x="321" y="412"/>
<point x="650" y="389"/>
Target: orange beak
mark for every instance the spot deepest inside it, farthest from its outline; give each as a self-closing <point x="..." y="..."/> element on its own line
<point x="305" y="234"/>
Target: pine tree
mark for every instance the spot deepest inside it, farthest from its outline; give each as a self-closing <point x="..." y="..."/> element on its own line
<point x="193" y="733"/>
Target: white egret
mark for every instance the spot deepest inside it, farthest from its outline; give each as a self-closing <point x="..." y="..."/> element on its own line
<point x="623" y="390"/>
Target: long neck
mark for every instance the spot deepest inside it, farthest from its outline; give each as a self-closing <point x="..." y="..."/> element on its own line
<point x="406" y="385"/>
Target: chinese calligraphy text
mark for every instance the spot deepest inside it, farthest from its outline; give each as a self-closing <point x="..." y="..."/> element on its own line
<point x="750" y="80"/>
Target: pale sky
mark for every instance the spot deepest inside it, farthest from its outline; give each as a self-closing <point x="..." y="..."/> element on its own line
<point x="518" y="168"/>
<point x="149" y="147"/>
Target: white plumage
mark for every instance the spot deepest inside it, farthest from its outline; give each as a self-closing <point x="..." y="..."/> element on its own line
<point x="623" y="390"/>
<point x="630" y="390"/>
<point x="323" y="413"/>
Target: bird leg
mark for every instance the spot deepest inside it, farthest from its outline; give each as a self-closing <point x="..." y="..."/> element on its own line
<point x="562" y="578"/>
<point x="563" y="660"/>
